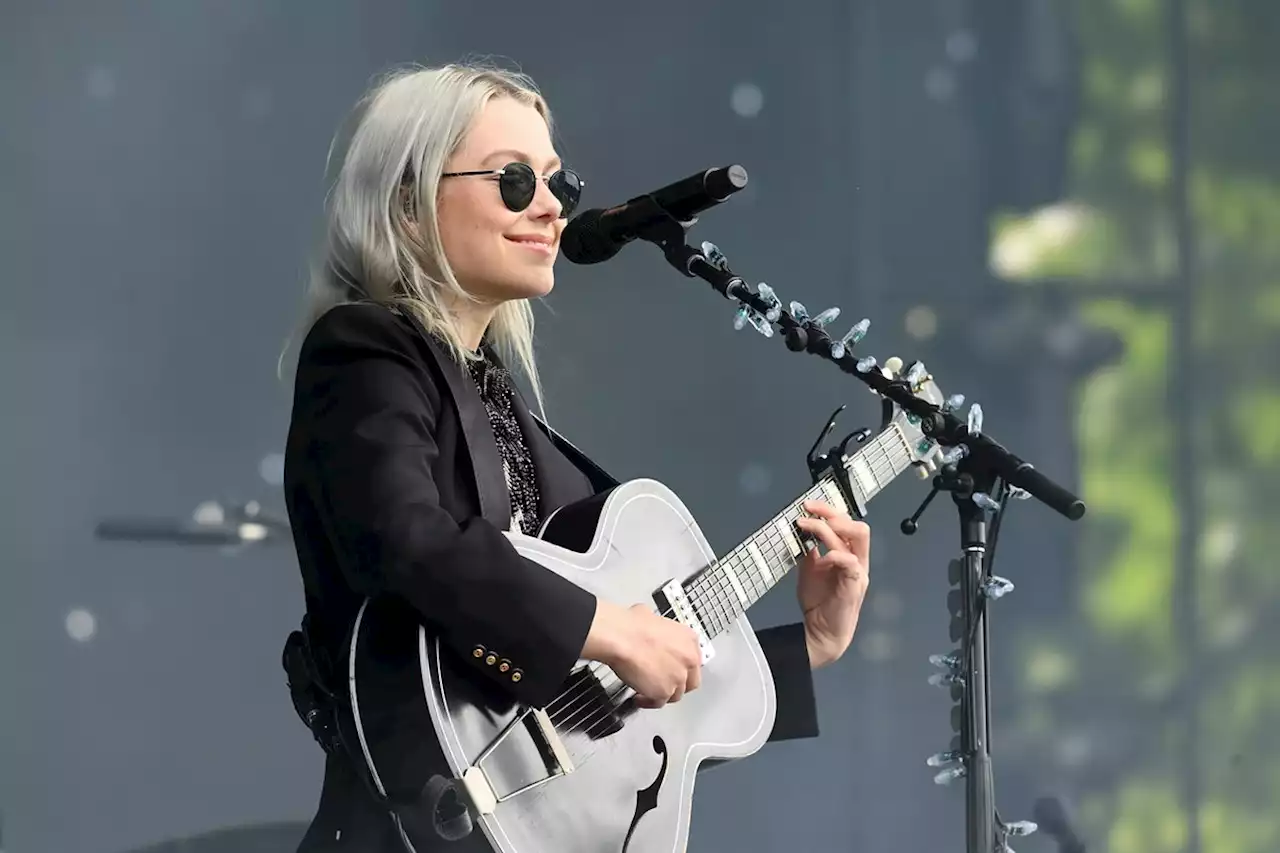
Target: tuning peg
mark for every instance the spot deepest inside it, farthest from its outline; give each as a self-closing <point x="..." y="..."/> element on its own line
<point x="953" y="402"/>
<point x="975" y="419"/>
<point x="799" y="312"/>
<point x="714" y="256"/>
<point x="996" y="587"/>
<point x="1018" y="494"/>
<point x="866" y="364"/>
<point x="916" y="375"/>
<point x="775" y="304"/>
<point x="851" y="338"/>
<point x="985" y="501"/>
<point x="892" y="367"/>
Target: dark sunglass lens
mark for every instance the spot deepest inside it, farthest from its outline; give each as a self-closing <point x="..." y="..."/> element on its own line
<point x="566" y="186"/>
<point x="517" y="185"/>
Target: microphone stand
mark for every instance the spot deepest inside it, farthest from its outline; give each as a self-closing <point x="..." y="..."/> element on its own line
<point x="975" y="468"/>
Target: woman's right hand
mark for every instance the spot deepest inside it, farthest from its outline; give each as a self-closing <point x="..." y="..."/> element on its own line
<point x="657" y="657"/>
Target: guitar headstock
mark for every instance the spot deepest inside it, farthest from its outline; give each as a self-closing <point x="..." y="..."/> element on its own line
<point x="926" y="454"/>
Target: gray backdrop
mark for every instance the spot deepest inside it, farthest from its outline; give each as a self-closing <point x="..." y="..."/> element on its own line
<point x="163" y="172"/>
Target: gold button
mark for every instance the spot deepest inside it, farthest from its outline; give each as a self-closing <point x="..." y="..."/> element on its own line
<point x="504" y="666"/>
<point x="491" y="659"/>
<point x="517" y="675"/>
<point x="478" y="652"/>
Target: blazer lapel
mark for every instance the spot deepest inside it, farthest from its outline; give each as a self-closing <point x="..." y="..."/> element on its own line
<point x="482" y="447"/>
<point x="559" y="483"/>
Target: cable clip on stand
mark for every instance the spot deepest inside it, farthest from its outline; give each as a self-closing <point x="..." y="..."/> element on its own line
<point x="979" y="473"/>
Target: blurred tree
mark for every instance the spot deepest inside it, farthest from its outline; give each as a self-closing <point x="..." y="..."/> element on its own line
<point x="1106" y="690"/>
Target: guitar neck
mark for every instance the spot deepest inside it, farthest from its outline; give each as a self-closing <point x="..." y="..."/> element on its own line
<point x="724" y="590"/>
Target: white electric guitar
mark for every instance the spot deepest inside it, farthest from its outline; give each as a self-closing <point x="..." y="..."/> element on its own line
<point x="590" y="772"/>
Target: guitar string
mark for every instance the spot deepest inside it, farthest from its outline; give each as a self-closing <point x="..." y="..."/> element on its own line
<point x="723" y="607"/>
<point x="600" y="715"/>
<point x="700" y="585"/>
<point x="720" y="608"/>
<point x="611" y="679"/>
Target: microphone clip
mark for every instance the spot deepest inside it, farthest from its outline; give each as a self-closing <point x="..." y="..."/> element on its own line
<point x="667" y="233"/>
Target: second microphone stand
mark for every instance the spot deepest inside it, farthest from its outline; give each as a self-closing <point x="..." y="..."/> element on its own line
<point x="979" y="473"/>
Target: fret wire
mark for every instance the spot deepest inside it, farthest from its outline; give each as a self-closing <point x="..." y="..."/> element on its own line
<point x="722" y="604"/>
<point x="727" y="570"/>
<point x="878" y="450"/>
<point x="765" y="549"/>
<point x="715" y="595"/>
<point x="739" y="556"/>
<point x="745" y="568"/>
<point x="700" y="605"/>
<point x="777" y="550"/>
<point x="886" y="463"/>
<point x="724" y="592"/>
<point x="711" y="606"/>
<point x="727" y="597"/>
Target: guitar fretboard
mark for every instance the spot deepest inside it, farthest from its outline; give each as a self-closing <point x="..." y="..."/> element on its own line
<point x="724" y="590"/>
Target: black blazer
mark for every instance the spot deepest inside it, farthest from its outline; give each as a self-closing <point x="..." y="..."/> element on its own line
<point x="394" y="487"/>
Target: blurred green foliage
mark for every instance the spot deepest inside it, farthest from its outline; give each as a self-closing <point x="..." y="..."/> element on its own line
<point x="1113" y="684"/>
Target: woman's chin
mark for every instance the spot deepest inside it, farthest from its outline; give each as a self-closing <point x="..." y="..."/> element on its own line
<point x="530" y="287"/>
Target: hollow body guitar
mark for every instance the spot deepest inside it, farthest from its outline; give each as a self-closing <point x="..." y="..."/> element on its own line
<point x="590" y="772"/>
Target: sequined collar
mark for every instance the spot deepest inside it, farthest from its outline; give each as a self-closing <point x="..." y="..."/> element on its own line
<point x="483" y="372"/>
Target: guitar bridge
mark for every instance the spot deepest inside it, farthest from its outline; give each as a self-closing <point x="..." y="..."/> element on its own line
<point x="673" y="601"/>
<point x="479" y="787"/>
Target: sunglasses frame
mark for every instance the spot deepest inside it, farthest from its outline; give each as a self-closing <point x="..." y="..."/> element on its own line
<point x="517" y="171"/>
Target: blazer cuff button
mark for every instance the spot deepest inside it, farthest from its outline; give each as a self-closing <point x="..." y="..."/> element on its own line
<point x="477" y="652"/>
<point x="491" y="659"/>
<point x="504" y="666"/>
<point x="516" y="675"/>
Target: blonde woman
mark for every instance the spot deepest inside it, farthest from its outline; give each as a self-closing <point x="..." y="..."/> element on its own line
<point x="410" y="452"/>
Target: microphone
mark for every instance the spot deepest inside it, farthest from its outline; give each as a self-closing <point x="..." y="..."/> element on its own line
<point x="597" y="235"/>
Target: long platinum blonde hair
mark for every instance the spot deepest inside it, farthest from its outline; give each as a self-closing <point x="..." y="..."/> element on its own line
<point x="382" y="239"/>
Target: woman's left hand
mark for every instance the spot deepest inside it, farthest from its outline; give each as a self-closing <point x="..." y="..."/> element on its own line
<point x="833" y="585"/>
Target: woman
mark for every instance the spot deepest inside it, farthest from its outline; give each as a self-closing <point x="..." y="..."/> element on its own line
<point x="410" y="452"/>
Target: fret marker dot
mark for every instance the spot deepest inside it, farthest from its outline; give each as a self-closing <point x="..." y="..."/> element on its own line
<point x="755" y="479"/>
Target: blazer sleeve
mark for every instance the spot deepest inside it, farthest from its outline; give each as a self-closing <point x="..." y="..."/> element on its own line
<point x="788" y="656"/>
<point x="365" y="422"/>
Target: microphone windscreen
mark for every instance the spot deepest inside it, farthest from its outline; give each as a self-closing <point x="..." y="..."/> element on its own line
<point x="584" y="241"/>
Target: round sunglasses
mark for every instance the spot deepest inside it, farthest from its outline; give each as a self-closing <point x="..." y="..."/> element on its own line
<point x="517" y="182"/>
